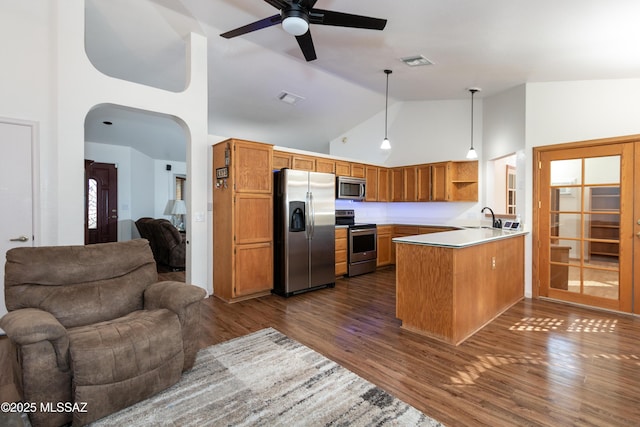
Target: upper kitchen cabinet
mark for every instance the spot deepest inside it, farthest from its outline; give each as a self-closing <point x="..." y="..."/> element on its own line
<point x="303" y="163"/>
<point x="372" y="184"/>
<point x="423" y="182"/>
<point x="325" y="165"/>
<point x="440" y="182"/>
<point x="281" y="160"/>
<point x="358" y="170"/>
<point x="410" y="184"/>
<point x="455" y="181"/>
<point x="397" y="184"/>
<point x="464" y="181"/>
<point x="384" y="185"/>
<point x="252" y="166"/>
<point x="343" y="168"/>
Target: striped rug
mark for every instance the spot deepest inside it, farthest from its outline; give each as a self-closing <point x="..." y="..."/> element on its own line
<point x="268" y="379"/>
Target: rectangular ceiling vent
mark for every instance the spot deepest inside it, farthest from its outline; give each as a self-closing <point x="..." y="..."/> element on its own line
<point x="290" y="98"/>
<point x="416" y="61"/>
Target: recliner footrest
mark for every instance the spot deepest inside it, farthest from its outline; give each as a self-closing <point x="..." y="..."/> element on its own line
<point x="123" y="361"/>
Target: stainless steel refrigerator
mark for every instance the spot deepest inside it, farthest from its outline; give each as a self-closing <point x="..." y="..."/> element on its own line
<point x="304" y="231"/>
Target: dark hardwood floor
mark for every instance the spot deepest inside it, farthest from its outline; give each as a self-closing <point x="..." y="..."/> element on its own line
<point x="539" y="364"/>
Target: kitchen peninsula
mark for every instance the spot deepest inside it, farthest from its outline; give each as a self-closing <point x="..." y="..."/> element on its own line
<point x="451" y="284"/>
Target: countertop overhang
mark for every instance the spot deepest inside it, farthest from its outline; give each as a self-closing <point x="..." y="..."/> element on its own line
<point x="460" y="238"/>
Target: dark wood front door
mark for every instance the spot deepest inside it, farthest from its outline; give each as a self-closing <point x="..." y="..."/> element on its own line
<point x="101" y="200"/>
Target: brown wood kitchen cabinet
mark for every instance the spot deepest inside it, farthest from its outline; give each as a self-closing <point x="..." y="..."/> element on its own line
<point x="384" y="185"/>
<point x="397" y="184"/>
<point x="325" y="165"/>
<point x="385" y="233"/>
<point x="341" y="251"/>
<point x="281" y="160"/>
<point x="303" y="163"/>
<point x="343" y="168"/>
<point x="242" y="220"/>
<point x="372" y="184"/>
<point x="410" y="184"/>
<point x="454" y="181"/>
<point x="358" y="170"/>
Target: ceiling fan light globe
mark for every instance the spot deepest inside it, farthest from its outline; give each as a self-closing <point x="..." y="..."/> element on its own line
<point x="386" y="145"/>
<point x="295" y="25"/>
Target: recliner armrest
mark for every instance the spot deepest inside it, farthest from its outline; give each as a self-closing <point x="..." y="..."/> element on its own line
<point x="175" y="296"/>
<point x="31" y="325"/>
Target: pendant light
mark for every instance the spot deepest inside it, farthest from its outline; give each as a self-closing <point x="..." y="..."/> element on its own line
<point x="386" y="145"/>
<point x="472" y="152"/>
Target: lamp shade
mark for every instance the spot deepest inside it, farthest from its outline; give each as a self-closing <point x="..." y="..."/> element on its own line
<point x="179" y="208"/>
<point x="386" y="145"/>
<point x="168" y="209"/>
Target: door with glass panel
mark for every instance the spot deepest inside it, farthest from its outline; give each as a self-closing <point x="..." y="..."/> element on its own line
<point x="586" y="225"/>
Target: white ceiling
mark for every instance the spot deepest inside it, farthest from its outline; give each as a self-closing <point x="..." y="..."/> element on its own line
<point x="491" y="44"/>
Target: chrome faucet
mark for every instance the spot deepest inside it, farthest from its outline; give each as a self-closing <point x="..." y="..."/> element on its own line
<point x="494" y="223"/>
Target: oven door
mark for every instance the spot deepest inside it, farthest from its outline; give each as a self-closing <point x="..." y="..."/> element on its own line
<point x="362" y="244"/>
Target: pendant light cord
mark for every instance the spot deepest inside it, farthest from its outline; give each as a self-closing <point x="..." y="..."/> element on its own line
<point x="473" y="91"/>
<point x="386" y="103"/>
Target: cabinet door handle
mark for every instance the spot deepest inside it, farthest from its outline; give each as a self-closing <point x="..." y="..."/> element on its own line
<point x="20" y="239"/>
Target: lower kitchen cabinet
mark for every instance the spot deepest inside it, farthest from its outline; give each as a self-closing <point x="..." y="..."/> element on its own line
<point x="341" y="251"/>
<point x="256" y="272"/>
<point x="385" y="233"/>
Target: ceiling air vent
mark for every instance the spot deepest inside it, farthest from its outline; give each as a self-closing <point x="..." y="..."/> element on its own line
<point x="416" y="61"/>
<point x="289" y="98"/>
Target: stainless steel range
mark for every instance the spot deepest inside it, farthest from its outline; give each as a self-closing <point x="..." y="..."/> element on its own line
<point x="362" y="243"/>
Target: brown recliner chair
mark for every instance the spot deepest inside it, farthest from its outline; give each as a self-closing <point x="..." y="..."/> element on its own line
<point x="167" y="243"/>
<point x="92" y="325"/>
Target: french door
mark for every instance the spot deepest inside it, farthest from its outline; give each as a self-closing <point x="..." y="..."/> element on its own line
<point x="585" y="224"/>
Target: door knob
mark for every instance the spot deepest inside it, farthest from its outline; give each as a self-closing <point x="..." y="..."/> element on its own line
<point x="19" y="239"/>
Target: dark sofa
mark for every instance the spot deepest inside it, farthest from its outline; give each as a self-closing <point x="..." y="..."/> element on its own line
<point x="167" y="243"/>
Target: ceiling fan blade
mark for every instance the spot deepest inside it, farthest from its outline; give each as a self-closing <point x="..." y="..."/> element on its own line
<point x="278" y="4"/>
<point x="306" y="45"/>
<point x="340" y="19"/>
<point x="258" y="25"/>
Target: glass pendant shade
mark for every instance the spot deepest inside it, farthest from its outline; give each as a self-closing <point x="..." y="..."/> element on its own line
<point x="472" y="154"/>
<point x="386" y="145"/>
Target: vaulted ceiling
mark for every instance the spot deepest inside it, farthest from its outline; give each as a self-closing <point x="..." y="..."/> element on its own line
<point x="491" y="44"/>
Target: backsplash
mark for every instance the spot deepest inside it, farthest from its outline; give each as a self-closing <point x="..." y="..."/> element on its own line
<point x="414" y="213"/>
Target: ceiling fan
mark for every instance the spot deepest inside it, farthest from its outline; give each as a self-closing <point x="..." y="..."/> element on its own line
<point x="296" y="15"/>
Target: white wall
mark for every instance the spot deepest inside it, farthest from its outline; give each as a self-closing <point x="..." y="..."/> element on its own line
<point x="51" y="81"/>
<point x="420" y="132"/>
<point x="27" y="84"/>
<point x="165" y="184"/>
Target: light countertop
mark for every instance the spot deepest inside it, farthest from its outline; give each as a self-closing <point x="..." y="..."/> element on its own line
<point x="460" y="238"/>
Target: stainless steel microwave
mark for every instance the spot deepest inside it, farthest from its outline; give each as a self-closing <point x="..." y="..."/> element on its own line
<point x="350" y="188"/>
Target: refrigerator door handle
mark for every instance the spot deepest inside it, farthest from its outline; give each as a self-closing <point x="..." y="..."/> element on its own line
<point x="308" y="215"/>
<point x="313" y="215"/>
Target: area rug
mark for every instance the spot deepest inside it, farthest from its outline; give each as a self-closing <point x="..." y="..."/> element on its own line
<point x="269" y="379"/>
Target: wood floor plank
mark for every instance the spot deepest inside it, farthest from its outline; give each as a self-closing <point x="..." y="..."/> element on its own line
<point x="539" y="364"/>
